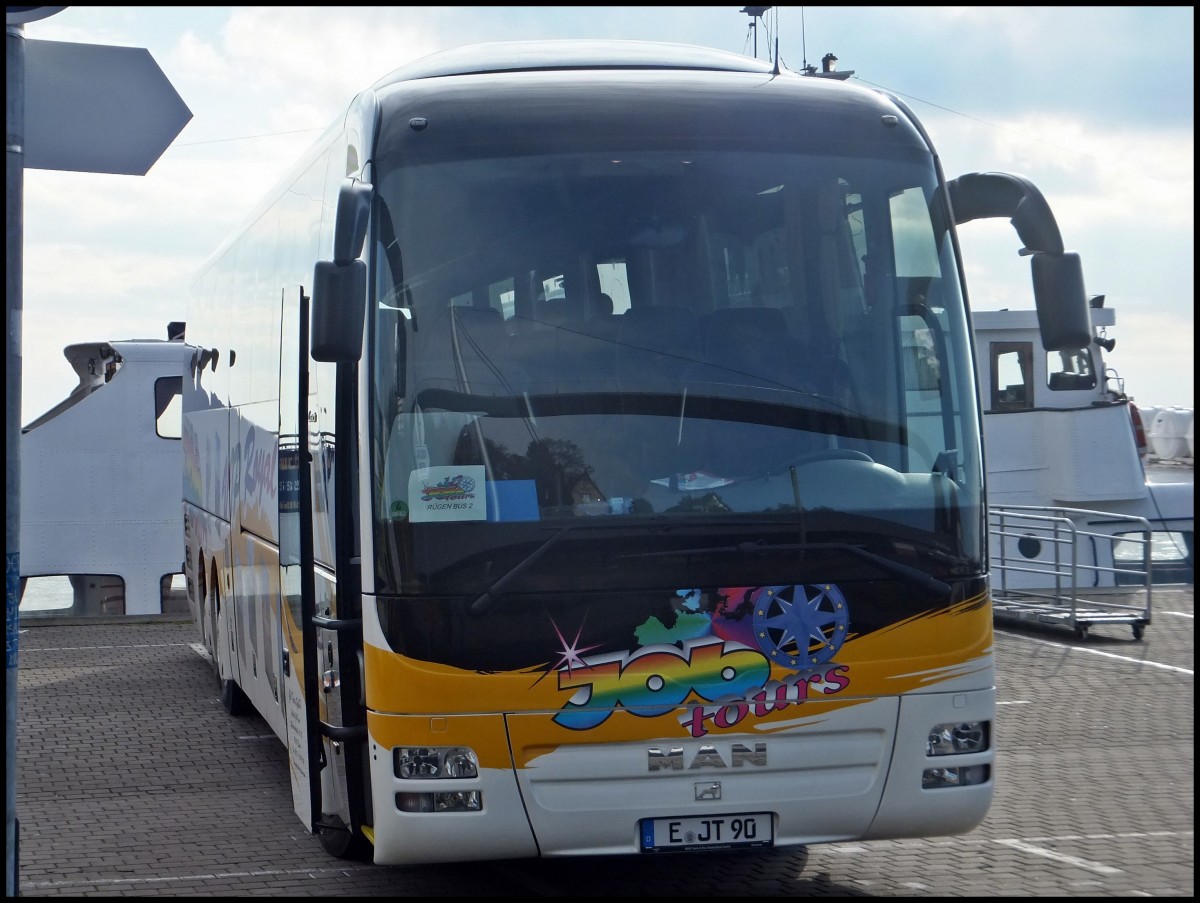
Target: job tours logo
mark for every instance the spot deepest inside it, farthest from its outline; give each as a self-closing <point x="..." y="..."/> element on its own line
<point x="720" y="650"/>
<point x="451" y="489"/>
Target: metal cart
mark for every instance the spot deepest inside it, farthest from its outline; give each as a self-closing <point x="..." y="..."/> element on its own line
<point x="1070" y="567"/>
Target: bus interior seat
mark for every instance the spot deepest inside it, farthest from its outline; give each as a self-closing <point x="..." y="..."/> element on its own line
<point x="474" y="336"/>
<point x="750" y="345"/>
<point x="557" y="311"/>
<point x="600" y="305"/>
<point x="657" y="343"/>
<point x="657" y="346"/>
<point x="562" y="350"/>
<point x="752" y="321"/>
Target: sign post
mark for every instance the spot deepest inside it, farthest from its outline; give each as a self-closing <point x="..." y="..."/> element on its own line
<point x="83" y="108"/>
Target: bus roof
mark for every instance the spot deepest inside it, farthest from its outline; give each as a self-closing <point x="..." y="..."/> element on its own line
<point x="564" y="96"/>
<point x="525" y="56"/>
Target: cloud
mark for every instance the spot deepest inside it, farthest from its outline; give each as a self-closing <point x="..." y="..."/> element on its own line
<point x="200" y="60"/>
<point x="324" y="58"/>
<point x="1128" y="65"/>
<point x="1095" y="104"/>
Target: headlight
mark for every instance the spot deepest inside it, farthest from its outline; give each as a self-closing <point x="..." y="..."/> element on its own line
<point x="433" y="763"/>
<point x="955" y="739"/>
<point x="425" y="762"/>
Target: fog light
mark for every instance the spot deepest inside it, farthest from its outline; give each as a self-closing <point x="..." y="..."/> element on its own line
<point x="959" y="737"/>
<point x="425" y="762"/>
<point x="458" y="801"/>
<point x="963" y="776"/>
<point x="453" y="801"/>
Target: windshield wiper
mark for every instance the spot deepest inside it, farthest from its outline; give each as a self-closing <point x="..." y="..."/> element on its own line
<point x="482" y="603"/>
<point x="913" y="576"/>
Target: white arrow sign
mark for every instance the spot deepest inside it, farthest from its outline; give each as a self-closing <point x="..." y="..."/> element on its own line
<point x="96" y="108"/>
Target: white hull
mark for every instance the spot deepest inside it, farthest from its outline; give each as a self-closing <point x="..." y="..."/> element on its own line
<point x="101" y="480"/>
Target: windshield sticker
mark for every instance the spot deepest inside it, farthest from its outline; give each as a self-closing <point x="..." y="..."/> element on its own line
<point x="447" y="494"/>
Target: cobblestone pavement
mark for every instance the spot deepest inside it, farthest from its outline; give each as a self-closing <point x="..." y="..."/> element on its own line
<point x="132" y="781"/>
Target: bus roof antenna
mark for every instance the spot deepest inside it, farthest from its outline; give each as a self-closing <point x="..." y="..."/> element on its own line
<point x="804" y="45"/>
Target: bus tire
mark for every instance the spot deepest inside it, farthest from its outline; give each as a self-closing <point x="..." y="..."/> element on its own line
<point x="342" y="843"/>
<point x="234" y="699"/>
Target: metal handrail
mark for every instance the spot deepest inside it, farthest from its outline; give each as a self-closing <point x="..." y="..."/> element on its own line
<point x="1057" y="537"/>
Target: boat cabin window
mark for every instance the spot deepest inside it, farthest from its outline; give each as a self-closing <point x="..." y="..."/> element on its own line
<point x="168" y="407"/>
<point x="1012" y="376"/>
<point x="1070" y="370"/>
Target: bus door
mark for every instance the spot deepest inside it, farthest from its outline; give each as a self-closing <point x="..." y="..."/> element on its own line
<point x="322" y="746"/>
<point x="296" y="560"/>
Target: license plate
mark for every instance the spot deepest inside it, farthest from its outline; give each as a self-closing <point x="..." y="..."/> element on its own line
<point x="707" y="832"/>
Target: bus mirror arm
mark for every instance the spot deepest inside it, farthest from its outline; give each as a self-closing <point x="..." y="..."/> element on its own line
<point x="350" y="221"/>
<point x="1063" y="308"/>
<point x="339" y="296"/>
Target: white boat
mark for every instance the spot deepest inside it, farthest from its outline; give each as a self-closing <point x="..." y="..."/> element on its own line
<point x="1080" y="499"/>
<point x="101" y="517"/>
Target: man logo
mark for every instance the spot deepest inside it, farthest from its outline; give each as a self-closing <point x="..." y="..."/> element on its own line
<point x="707" y="757"/>
<point x="710" y="790"/>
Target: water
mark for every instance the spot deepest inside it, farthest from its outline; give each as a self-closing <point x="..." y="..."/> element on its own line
<point x="47" y="594"/>
<point x="54" y="595"/>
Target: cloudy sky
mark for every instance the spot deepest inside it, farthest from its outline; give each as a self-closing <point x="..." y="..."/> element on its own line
<point x="1094" y="104"/>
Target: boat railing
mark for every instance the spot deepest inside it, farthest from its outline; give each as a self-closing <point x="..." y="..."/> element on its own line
<point x="1070" y="567"/>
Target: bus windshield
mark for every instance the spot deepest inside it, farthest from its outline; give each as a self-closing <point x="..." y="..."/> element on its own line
<point x="652" y="351"/>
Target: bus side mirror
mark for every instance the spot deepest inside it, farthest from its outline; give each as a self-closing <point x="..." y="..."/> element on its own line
<point x="1063" y="310"/>
<point x="339" y="296"/>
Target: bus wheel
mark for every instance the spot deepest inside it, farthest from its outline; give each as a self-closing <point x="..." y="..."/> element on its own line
<point x="234" y="699"/>
<point x="342" y="843"/>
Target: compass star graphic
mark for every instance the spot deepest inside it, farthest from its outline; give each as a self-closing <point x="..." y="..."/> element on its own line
<point x="800" y="626"/>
